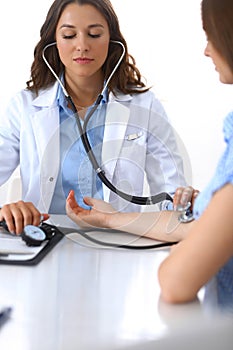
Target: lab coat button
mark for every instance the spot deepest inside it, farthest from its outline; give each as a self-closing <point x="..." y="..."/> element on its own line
<point x="51" y="179"/>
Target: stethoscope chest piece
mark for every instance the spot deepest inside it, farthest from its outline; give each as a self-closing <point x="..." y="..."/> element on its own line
<point x="33" y="235"/>
<point x="186" y="213"/>
<point x="186" y="217"/>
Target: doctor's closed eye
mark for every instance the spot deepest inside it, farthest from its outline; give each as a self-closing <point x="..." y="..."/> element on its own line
<point x="94" y="31"/>
<point x="72" y="36"/>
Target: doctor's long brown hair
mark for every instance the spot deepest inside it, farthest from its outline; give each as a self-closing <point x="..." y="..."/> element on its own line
<point x="127" y="78"/>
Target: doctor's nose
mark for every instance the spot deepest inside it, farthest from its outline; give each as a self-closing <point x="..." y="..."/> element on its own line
<point x="207" y="51"/>
<point x="82" y="44"/>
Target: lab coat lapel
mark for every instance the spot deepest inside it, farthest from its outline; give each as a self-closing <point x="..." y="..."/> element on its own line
<point x="46" y="130"/>
<point x="45" y="123"/>
<point x="117" y="116"/>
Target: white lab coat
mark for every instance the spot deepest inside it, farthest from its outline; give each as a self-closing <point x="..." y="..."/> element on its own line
<point x="137" y="137"/>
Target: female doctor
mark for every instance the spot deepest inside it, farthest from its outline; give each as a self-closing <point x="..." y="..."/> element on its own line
<point x="80" y="47"/>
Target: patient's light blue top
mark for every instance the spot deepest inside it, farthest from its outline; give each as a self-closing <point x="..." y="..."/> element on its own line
<point x="76" y="171"/>
<point x="223" y="175"/>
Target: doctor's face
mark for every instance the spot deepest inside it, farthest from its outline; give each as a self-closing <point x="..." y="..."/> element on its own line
<point x="82" y="37"/>
<point x="221" y="66"/>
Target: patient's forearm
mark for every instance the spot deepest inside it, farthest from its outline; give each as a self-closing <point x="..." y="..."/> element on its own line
<point x="163" y="225"/>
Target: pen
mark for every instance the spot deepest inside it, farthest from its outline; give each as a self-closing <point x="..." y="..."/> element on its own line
<point x="15" y="252"/>
<point x="5" y="314"/>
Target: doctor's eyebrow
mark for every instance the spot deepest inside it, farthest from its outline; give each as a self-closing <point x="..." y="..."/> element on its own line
<point x="96" y="25"/>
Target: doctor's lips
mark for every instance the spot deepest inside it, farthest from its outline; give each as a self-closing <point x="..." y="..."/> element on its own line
<point x="83" y="60"/>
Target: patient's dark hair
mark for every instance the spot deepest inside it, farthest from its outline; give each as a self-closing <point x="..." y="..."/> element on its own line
<point x="127" y="78"/>
<point x="217" y="19"/>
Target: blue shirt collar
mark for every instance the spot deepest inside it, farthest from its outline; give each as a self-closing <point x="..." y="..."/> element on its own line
<point x="61" y="99"/>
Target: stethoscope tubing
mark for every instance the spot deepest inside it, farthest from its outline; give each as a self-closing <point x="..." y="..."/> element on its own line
<point x="100" y="173"/>
<point x="84" y="137"/>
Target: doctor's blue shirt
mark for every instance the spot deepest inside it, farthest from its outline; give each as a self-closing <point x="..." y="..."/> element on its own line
<point x="76" y="171"/>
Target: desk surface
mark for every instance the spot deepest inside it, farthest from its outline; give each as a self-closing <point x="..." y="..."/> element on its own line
<point x="85" y="297"/>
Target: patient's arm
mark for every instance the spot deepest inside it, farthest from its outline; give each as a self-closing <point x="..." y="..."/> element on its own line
<point x="207" y="247"/>
<point x="162" y="225"/>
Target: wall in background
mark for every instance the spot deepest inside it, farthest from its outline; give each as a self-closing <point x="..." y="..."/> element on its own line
<point x="166" y="38"/>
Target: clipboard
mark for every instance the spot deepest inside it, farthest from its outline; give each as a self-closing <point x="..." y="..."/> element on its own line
<point x="14" y="251"/>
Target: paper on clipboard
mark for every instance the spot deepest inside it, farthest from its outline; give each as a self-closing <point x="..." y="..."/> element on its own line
<point x="14" y="248"/>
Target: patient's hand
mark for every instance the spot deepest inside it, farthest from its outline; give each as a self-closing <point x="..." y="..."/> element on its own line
<point x="183" y="195"/>
<point x="97" y="216"/>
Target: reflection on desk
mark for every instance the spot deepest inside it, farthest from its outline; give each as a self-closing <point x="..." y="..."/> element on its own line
<point x="88" y="298"/>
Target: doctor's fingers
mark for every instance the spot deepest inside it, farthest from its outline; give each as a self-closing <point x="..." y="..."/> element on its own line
<point x="19" y="214"/>
<point x="183" y="195"/>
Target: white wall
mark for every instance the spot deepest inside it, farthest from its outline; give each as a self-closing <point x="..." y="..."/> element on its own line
<point x="166" y="38"/>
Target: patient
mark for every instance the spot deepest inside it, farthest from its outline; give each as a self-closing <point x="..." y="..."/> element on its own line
<point x="206" y="249"/>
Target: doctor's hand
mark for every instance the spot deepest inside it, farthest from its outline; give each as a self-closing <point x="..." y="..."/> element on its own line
<point x="183" y="195"/>
<point x="19" y="214"/>
<point x="97" y="216"/>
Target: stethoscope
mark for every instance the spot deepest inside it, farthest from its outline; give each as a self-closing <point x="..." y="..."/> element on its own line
<point x="83" y="134"/>
<point x="186" y="214"/>
<point x="36" y="235"/>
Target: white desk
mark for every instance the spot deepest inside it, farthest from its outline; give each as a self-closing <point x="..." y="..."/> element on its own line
<point x="85" y="298"/>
